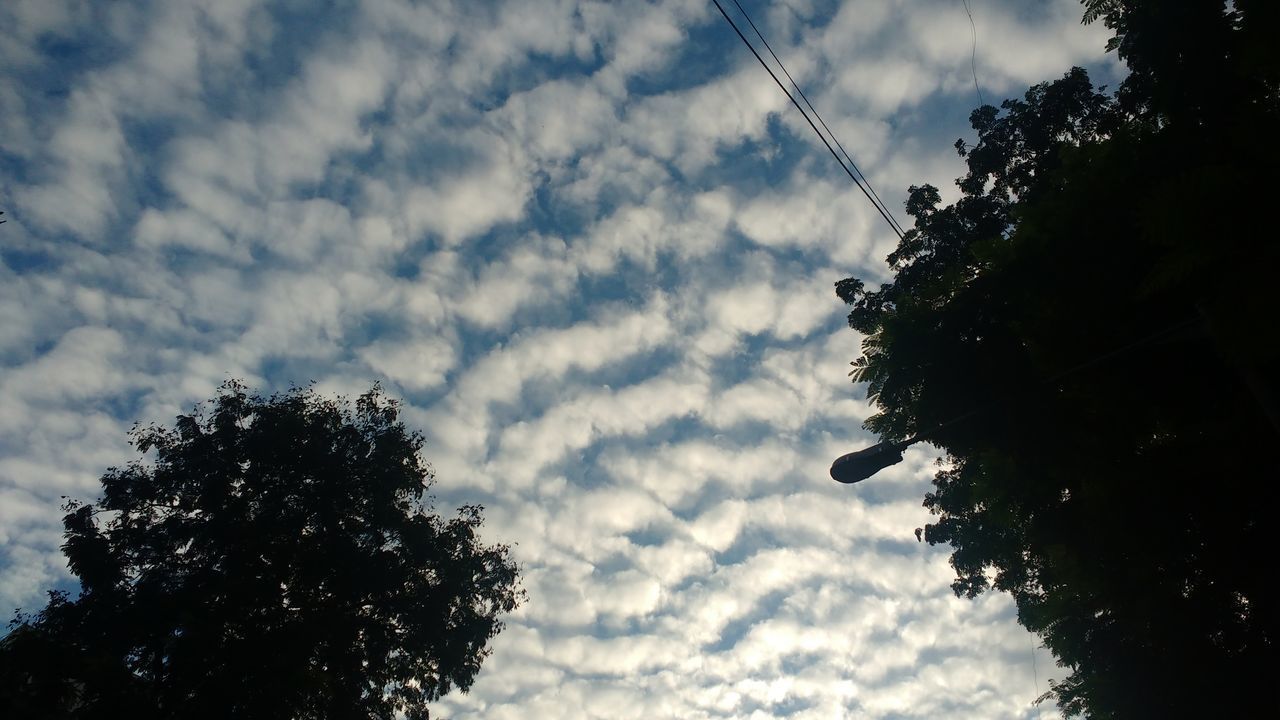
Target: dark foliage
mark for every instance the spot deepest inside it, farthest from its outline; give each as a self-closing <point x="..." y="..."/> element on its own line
<point x="274" y="559"/>
<point x="1089" y="334"/>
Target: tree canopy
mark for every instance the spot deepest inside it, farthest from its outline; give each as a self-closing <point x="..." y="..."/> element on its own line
<point x="1088" y="333"/>
<point x="271" y="557"/>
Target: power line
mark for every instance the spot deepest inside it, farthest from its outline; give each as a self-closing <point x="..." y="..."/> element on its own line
<point x="973" y="55"/>
<point x="883" y="213"/>
<point x="1035" y="673"/>
<point x="794" y="84"/>
<point x="864" y="185"/>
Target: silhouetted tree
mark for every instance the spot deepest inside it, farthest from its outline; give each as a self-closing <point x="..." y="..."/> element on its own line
<point x="274" y="558"/>
<point x="1088" y="332"/>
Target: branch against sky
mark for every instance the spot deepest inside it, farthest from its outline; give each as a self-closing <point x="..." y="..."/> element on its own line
<point x="1080" y="333"/>
<point x="270" y="557"/>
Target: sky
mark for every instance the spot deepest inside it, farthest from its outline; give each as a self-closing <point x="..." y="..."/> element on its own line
<point x="589" y="244"/>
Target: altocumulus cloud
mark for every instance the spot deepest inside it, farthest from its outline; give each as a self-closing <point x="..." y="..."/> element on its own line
<point x="591" y="246"/>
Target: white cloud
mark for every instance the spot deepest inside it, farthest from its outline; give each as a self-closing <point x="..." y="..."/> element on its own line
<point x="417" y="365"/>
<point x="87" y="159"/>
<point x="458" y="208"/>
<point x="558" y="119"/>
<point x="85" y="363"/>
<point x="687" y="127"/>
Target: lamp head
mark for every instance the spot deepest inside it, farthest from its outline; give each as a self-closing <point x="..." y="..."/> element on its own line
<point x="862" y="464"/>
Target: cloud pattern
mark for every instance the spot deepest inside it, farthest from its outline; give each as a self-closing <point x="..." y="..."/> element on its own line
<point x="592" y="247"/>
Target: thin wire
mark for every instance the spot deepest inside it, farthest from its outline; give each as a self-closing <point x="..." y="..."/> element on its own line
<point x="880" y="204"/>
<point x="973" y="55"/>
<point x="1035" y="673"/>
<point x="821" y="137"/>
<point x="818" y="115"/>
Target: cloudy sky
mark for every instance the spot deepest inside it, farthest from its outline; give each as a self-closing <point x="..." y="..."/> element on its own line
<point x="592" y="247"/>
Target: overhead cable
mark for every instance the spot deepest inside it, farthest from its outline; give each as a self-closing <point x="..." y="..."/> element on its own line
<point x="973" y="55"/>
<point x="879" y="203"/>
<point x="861" y="186"/>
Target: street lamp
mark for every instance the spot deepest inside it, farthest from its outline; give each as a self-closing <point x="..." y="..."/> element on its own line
<point x="866" y="462"/>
